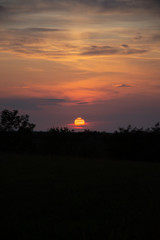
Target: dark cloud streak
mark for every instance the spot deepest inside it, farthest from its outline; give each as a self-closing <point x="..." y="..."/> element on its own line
<point x="44" y="29"/>
<point x="104" y="50"/>
<point x="123" y="86"/>
<point x="109" y="50"/>
<point x="103" y="6"/>
<point x="30" y="103"/>
<point x="2" y="9"/>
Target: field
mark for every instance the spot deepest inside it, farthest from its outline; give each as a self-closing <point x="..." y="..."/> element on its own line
<point x="51" y="197"/>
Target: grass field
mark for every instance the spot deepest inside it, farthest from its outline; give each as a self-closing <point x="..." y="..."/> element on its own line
<point x="47" y="197"/>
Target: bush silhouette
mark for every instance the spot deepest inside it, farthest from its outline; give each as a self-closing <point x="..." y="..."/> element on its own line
<point x="10" y="121"/>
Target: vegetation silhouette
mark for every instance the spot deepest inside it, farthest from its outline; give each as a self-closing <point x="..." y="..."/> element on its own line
<point x="63" y="184"/>
<point x="138" y="144"/>
<point x="11" y="121"/>
<point x="15" y="132"/>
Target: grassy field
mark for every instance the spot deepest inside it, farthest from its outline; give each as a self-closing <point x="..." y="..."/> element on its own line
<point x="47" y="197"/>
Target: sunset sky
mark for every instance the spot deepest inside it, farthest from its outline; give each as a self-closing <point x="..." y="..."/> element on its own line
<point x="95" y="59"/>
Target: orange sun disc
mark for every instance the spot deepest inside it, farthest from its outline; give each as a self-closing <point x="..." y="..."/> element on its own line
<point x="79" y="121"/>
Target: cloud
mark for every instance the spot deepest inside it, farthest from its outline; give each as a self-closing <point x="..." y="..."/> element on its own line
<point x="100" y="50"/>
<point x="44" y="29"/>
<point x="54" y="43"/>
<point x="109" y="50"/>
<point x="135" y="51"/>
<point x="96" y="6"/>
<point x="19" y="103"/>
<point x="2" y="9"/>
<point x="3" y="13"/>
<point x="123" y="86"/>
<point x="30" y="103"/>
<point x="130" y="5"/>
<point x="155" y="37"/>
<point x="125" y="45"/>
<point x="82" y="103"/>
<point x="33" y="42"/>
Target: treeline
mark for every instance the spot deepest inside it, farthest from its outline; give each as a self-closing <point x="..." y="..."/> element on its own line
<point x="124" y="144"/>
<point x="138" y="145"/>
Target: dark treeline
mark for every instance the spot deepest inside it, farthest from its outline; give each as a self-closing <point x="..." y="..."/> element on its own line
<point x="124" y="144"/>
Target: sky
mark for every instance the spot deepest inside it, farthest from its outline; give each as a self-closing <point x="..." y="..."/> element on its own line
<point x="95" y="59"/>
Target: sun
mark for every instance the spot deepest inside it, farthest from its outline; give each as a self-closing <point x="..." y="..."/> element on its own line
<point x="79" y="121"/>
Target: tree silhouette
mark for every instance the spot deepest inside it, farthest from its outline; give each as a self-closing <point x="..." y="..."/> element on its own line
<point x="10" y="121"/>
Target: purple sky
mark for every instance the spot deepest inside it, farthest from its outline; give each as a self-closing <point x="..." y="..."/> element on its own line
<point x="95" y="59"/>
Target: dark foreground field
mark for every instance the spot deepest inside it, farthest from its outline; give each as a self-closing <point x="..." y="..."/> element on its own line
<point x="73" y="198"/>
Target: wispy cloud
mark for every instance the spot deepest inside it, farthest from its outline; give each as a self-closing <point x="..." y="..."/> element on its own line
<point x="155" y="37"/>
<point x="19" y="11"/>
<point x="125" y="45"/>
<point x="109" y="50"/>
<point x="2" y="9"/>
<point x="43" y="29"/>
<point x="30" y="103"/>
<point x="92" y="5"/>
<point x="33" y="42"/>
<point x="55" y="43"/>
<point x="123" y="86"/>
<point x="100" y="50"/>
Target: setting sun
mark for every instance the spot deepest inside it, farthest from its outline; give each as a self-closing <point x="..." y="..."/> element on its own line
<point x="61" y="62"/>
<point x="79" y="121"/>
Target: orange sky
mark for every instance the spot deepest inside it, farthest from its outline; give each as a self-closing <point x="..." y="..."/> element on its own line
<point x="64" y="59"/>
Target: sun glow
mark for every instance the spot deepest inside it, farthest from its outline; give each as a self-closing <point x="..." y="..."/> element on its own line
<point x="79" y="121"/>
